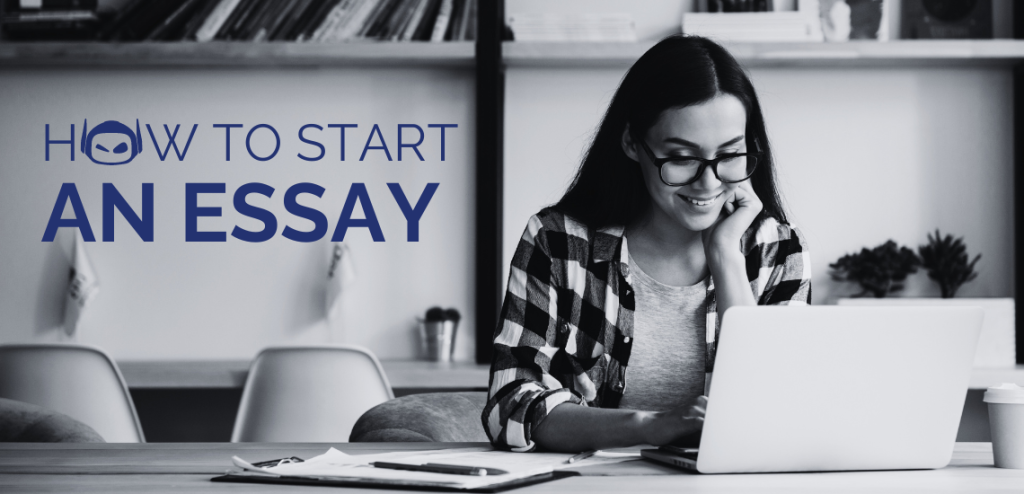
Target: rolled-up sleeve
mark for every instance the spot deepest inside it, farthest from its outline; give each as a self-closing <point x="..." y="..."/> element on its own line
<point x="522" y="390"/>
<point x="788" y="259"/>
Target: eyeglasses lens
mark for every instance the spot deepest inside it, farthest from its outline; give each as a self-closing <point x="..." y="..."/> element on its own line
<point x="732" y="169"/>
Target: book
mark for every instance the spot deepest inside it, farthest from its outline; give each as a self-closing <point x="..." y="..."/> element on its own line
<point x="426" y="25"/>
<point x="29" y="5"/>
<point x="289" y="19"/>
<point x="137" y="19"/>
<point x="414" y="21"/>
<point x="331" y="14"/>
<point x="216" y="19"/>
<point x="173" y="26"/>
<point x="749" y="26"/>
<point x="191" y="27"/>
<point x="232" y="27"/>
<point x="444" y="15"/>
<point x="314" y="15"/>
<point x="574" y="27"/>
<point x="268" y="18"/>
<point x="452" y="32"/>
<point x="376" y="27"/>
<point x="50" y="25"/>
<point x="354" y="22"/>
<point x="468" y="18"/>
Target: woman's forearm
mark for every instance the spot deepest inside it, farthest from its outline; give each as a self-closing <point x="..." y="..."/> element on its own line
<point x="731" y="286"/>
<point x="573" y="428"/>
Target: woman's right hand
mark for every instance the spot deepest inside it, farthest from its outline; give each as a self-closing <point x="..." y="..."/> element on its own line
<point x="668" y="426"/>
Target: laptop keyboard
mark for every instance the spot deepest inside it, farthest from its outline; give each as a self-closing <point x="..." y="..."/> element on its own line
<point x="689" y="453"/>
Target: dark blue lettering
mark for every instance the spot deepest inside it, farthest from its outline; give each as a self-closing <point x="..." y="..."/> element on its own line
<point x="193" y="212"/>
<point x="383" y="145"/>
<point x="268" y="219"/>
<point x="415" y="147"/>
<point x="277" y="142"/>
<point x="293" y="207"/>
<point x="413" y="215"/>
<point x="357" y="192"/>
<point x="227" y="138"/>
<point x="112" y="199"/>
<point x="170" y="141"/>
<point x="68" y="192"/>
<point x="442" y="127"/>
<point x="70" y="142"/>
<point x="343" y="127"/>
<point x="317" y="144"/>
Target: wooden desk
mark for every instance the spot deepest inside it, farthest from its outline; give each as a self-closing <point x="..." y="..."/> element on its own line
<point x="157" y="468"/>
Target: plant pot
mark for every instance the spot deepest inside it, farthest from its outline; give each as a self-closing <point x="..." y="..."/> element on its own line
<point x="996" y="344"/>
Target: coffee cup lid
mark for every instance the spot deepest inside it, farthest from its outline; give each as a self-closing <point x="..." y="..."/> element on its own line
<point x="1005" y="393"/>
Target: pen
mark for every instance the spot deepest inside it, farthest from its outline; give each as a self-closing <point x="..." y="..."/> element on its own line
<point x="440" y="468"/>
<point x="582" y="456"/>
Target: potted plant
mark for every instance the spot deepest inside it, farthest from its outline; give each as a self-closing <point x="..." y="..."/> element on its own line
<point x="879" y="271"/>
<point x="945" y="260"/>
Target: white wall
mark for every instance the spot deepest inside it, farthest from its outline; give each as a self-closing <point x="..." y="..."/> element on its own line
<point x="863" y="155"/>
<point x="175" y="300"/>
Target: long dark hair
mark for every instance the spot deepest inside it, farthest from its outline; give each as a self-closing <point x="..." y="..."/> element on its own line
<point x="677" y="72"/>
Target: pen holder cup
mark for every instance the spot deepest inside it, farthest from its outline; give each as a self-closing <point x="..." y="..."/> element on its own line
<point x="437" y="340"/>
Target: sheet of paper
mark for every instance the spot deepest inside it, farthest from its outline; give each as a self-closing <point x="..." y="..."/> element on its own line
<point x="336" y="464"/>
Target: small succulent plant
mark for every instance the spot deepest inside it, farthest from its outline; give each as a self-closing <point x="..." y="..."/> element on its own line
<point x="879" y="271"/>
<point x="945" y="260"/>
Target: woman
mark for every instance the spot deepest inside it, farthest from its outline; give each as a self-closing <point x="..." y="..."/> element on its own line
<point x="615" y="292"/>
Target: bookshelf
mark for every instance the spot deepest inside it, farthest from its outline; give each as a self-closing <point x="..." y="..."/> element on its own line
<point x="462" y="54"/>
<point x="866" y="53"/>
<point x="236" y="54"/>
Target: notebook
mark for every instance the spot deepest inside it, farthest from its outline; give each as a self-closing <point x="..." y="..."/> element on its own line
<point x="834" y="388"/>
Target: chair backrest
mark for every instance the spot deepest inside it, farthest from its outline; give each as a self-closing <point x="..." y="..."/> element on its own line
<point x="79" y="381"/>
<point x="308" y="394"/>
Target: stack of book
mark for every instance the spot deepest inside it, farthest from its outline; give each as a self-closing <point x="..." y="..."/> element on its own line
<point x="572" y="27"/>
<point x="753" y="26"/>
<point x="49" y="19"/>
<point x="754" y="20"/>
<point x="280" y="20"/>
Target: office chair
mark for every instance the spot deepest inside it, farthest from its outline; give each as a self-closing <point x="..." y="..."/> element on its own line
<point x="79" y="381"/>
<point x="308" y="394"/>
<point x="427" y="417"/>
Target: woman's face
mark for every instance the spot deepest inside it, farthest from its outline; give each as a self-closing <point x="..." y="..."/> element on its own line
<point x="707" y="130"/>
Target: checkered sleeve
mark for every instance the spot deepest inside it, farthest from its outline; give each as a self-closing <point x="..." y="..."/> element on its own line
<point x="522" y="389"/>
<point x="780" y="265"/>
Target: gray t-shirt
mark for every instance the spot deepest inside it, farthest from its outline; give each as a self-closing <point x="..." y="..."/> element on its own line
<point x="666" y="364"/>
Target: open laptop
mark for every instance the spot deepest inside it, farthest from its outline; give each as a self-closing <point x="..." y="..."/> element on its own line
<point x="803" y="389"/>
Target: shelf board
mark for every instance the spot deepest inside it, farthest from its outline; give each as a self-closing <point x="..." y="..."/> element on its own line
<point x="851" y="54"/>
<point x="235" y="54"/>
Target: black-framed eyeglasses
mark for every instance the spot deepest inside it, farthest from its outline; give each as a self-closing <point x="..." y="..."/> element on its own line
<point x="730" y="168"/>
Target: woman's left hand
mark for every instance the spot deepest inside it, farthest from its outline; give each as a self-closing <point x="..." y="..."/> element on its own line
<point x="741" y="206"/>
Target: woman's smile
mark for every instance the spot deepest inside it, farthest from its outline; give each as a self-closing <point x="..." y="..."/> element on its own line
<point x="702" y="202"/>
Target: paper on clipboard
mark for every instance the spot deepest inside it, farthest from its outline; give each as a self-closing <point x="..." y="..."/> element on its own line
<point x="336" y="465"/>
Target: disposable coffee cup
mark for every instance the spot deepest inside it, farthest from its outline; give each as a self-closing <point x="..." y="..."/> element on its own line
<point x="1006" y="418"/>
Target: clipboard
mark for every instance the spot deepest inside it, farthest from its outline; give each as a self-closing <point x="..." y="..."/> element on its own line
<point x="390" y="484"/>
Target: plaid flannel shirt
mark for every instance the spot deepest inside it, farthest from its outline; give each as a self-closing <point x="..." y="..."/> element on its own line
<point x="567" y="320"/>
